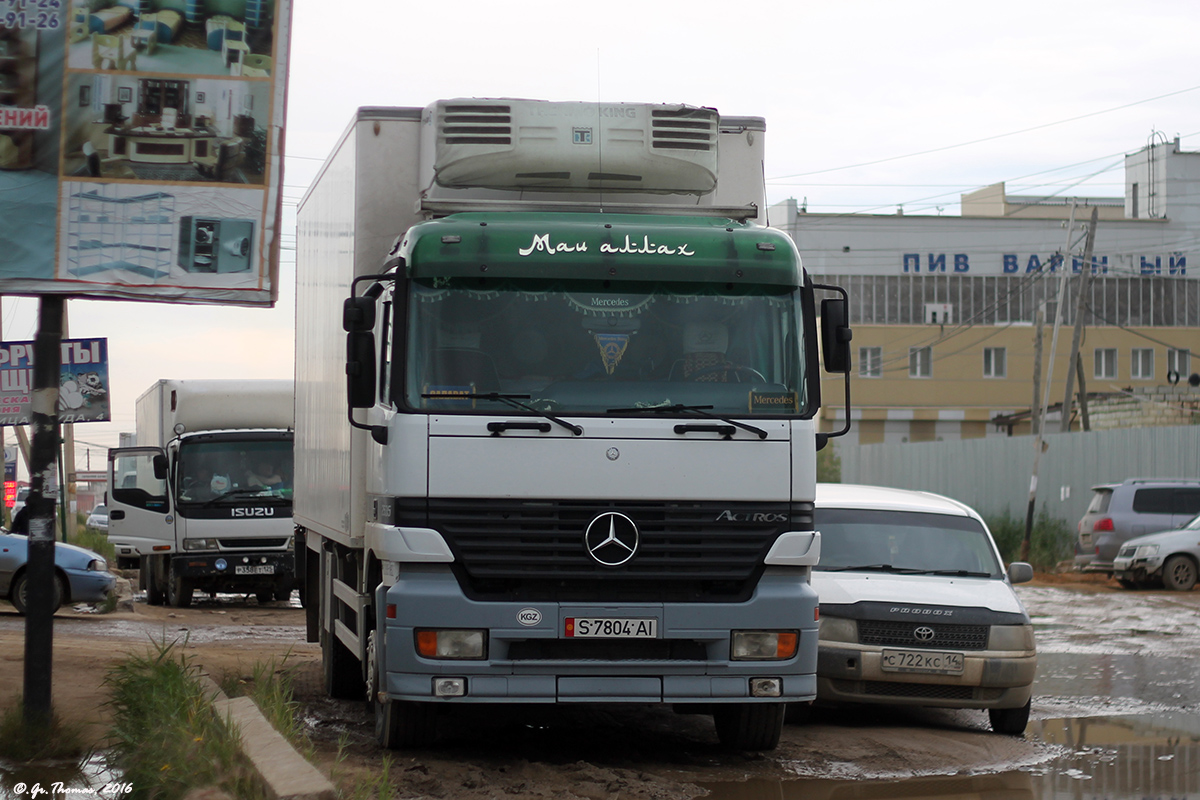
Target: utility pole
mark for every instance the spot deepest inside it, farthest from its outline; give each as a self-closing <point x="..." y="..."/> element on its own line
<point x="1035" y="424"/>
<point x="40" y="580"/>
<point x="1083" y="406"/>
<point x="1080" y="307"/>
<point x="1038" y="443"/>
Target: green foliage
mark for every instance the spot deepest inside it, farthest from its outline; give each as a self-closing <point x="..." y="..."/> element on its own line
<point x="167" y="737"/>
<point x="829" y="464"/>
<point x="97" y="542"/>
<point x="23" y="740"/>
<point x="1051" y="540"/>
<point x="271" y="691"/>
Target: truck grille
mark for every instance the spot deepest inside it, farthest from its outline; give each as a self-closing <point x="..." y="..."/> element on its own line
<point x="253" y="544"/>
<point x="534" y="550"/>
<point x="901" y="634"/>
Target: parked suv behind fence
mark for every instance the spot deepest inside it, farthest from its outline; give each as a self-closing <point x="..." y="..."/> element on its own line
<point x="1138" y="506"/>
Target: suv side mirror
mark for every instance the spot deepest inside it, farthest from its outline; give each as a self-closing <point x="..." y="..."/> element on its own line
<point x="1020" y="572"/>
<point x="835" y="335"/>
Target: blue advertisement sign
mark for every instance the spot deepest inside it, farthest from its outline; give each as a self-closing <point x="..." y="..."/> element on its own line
<point x="83" y="394"/>
<point x="141" y="148"/>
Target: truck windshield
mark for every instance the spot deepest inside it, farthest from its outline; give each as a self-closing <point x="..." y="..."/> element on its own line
<point x="905" y="542"/>
<point x="219" y="472"/>
<point x="586" y="348"/>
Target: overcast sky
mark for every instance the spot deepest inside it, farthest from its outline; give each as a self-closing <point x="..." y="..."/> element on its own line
<point x="869" y="105"/>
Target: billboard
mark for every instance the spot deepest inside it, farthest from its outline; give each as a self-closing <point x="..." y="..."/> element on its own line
<point x="83" y="394"/>
<point x="141" y="148"/>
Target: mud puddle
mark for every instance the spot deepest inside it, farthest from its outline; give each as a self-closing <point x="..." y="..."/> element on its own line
<point x="1099" y="758"/>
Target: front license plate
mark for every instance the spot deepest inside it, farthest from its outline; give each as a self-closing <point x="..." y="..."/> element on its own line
<point x="261" y="569"/>
<point x="928" y="663"/>
<point x="609" y="628"/>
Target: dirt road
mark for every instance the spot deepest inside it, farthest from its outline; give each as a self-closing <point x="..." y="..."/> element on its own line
<point x="559" y="752"/>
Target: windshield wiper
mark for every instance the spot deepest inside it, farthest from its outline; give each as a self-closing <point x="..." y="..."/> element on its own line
<point x="700" y="411"/>
<point x="962" y="573"/>
<point x="511" y="400"/>
<point x="875" y="568"/>
<point x="256" y="493"/>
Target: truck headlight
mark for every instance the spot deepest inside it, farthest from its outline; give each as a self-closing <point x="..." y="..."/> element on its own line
<point x="838" y="629"/>
<point x="764" y="645"/>
<point x="1011" y="637"/>
<point x="199" y="544"/>
<point x="452" y="644"/>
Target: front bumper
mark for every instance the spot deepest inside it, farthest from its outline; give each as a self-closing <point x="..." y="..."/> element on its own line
<point x="89" y="586"/>
<point x="990" y="679"/>
<point x="535" y="662"/>
<point x="236" y="567"/>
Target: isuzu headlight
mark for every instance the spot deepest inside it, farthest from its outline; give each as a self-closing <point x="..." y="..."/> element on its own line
<point x="1011" y="637"/>
<point x="199" y="544"/>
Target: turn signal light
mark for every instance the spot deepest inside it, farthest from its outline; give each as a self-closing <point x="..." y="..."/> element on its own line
<point x="764" y="645"/>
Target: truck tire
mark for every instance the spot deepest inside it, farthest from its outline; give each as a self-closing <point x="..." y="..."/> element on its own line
<point x="179" y="591"/>
<point x="400" y="724"/>
<point x="264" y="595"/>
<point x="148" y="578"/>
<point x="749" y="726"/>
<point x="343" y="672"/>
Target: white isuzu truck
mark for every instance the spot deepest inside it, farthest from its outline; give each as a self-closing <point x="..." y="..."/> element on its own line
<point x="555" y="394"/>
<point x="204" y="501"/>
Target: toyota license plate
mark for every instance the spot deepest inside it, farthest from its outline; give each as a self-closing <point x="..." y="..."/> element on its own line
<point x="258" y="569"/>
<point x="609" y="628"/>
<point x="922" y="662"/>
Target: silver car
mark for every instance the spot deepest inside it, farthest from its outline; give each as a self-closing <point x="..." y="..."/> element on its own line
<point x="80" y="576"/>
<point x="98" y="519"/>
<point x="1169" y="558"/>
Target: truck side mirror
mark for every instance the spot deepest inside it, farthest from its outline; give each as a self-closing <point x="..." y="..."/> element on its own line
<point x="358" y="314"/>
<point x="160" y="467"/>
<point x="835" y="335"/>
<point x="360" y="368"/>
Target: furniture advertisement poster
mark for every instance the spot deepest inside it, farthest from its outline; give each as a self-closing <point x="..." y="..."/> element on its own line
<point x="140" y="148"/>
<point x="83" y="383"/>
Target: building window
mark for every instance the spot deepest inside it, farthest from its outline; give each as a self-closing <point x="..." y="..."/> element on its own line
<point x="870" y="362"/>
<point x="1141" y="363"/>
<point x="920" y="362"/>
<point x="1179" y="362"/>
<point x="1106" y="363"/>
<point x="995" y="362"/>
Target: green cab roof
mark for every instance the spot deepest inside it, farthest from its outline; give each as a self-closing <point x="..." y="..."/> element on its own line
<point x="600" y="247"/>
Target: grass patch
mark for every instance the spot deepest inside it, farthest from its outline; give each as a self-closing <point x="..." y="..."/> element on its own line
<point x="22" y="740"/>
<point x="96" y="542"/>
<point x="167" y="736"/>
<point x="1052" y="540"/>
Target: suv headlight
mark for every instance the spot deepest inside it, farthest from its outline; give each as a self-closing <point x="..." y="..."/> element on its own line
<point x="838" y="629"/>
<point x="1146" y="551"/>
<point x="1011" y="637"/>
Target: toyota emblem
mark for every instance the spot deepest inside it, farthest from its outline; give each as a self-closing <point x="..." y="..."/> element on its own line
<point x="611" y="539"/>
<point x="924" y="634"/>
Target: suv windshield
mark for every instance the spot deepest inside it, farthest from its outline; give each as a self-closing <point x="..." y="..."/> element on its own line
<point x="231" y="470"/>
<point x="586" y="347"/>
<point x="898" y="541"/>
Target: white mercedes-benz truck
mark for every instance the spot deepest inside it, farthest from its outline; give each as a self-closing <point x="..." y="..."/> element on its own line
<point x="555" y="394"/>
<point x="204" y="501"/>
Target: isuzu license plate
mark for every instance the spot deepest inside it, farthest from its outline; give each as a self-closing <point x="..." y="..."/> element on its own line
<point x="609" y="628"/>
<point x="257" y="569"/>
<point x="928" y="663"/>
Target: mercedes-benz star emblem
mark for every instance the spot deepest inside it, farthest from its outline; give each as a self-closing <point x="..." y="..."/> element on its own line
<point x="924" y="634"/>
<point x="611" y="539"/>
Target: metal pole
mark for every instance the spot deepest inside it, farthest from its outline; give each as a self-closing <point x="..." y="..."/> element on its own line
<point x="1038" y="443"/>
<point x="39" y="618"/>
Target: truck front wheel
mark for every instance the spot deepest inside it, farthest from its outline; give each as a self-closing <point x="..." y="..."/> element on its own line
<point x="402" y="724"/>
<point x="749" y="726"/>
<point x="179" y="591"/>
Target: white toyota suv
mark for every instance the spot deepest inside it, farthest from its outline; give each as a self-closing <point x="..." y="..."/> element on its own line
<point x="917" y="608"/>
